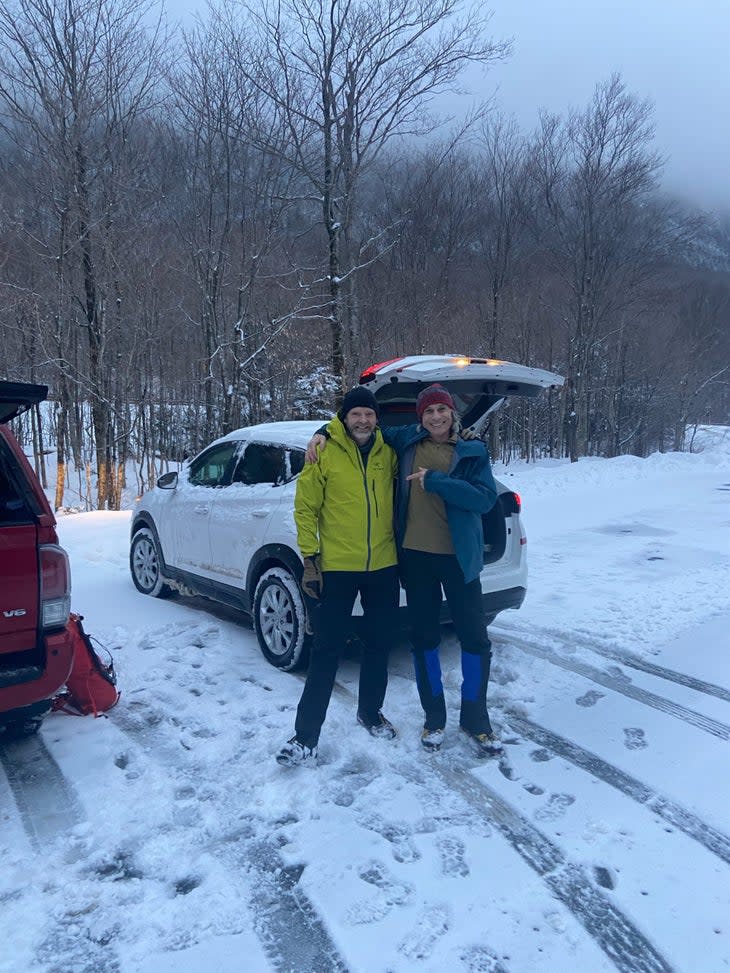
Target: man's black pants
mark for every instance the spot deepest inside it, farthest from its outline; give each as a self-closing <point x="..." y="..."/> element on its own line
<point x="379" y="593"/>
<point x="424" y="576"/>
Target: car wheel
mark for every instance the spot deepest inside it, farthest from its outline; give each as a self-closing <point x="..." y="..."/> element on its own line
<point x="279" y="618"/>
<point x="145" y="564"/>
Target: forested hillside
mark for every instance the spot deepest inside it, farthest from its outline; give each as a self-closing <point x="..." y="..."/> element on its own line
<point x="201" y="230"/>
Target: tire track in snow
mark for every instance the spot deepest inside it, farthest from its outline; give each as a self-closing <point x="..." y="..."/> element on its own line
<point x="46" y="802"/>
<point x="49" y="808"/>
<point x="636" y="662"/>
<point x="613" y="932"/>
<point x="622" y="942"/>
<point x="712" y="839"/>
<point x="693" y="717"/>
<point x="287" y="924"/>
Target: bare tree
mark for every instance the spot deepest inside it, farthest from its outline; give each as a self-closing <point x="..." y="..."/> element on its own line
<point x="233" y="198"/>
<point x="596" y="175"/>
<point x="348" y="76"/>
<point x="75" y="78"/>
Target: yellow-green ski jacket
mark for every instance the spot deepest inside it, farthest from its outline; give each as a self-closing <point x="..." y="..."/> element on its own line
<point x="344" y="509"/>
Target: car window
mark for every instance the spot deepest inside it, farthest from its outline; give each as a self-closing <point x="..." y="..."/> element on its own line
<point x="296" y="462"/>
<point x="472" y="398"/>
<point x="261" y="463"/>
<point x="212" y="466"/>
<point x="12" y="506"/>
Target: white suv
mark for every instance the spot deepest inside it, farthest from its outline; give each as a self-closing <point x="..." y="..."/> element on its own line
<point x="224" y="526"/>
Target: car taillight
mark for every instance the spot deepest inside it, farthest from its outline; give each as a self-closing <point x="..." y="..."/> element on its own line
<point x="511" y="503"/>
<point x="55" y="586"/>
<point x="369" y="374"/>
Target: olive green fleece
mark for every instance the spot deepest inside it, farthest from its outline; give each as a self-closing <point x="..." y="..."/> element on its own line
<point x="344" y="509"/>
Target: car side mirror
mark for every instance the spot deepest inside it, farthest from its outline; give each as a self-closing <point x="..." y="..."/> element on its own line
<point x="168" y="481"/>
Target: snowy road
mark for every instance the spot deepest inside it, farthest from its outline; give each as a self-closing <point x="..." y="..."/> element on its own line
<point x="166" y="837"/>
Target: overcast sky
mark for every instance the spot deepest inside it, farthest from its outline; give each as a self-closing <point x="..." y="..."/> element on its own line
<point x="674" y="52"/>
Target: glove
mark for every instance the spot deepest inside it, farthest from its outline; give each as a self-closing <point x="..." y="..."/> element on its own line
<point x="469" y="433"/>
<point x="312" y="578"/>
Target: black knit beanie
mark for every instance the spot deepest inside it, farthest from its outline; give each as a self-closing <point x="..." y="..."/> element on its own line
<point x="359" y="397"/>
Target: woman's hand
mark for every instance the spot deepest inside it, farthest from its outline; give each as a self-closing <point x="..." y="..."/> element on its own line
<point x="420" y="476"/>
<point x="318" y="441"/>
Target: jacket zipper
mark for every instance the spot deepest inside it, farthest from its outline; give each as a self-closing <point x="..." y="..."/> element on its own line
<point x="367" y="500"/>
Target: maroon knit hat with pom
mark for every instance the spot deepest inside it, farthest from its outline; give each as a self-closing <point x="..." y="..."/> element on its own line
<point x="433" y="395"/>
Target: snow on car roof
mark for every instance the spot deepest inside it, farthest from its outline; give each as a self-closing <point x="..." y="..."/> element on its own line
<point x="292" y="433"/>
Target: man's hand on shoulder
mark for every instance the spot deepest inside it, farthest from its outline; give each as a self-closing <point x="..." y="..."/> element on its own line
<point x="315" y="444"/>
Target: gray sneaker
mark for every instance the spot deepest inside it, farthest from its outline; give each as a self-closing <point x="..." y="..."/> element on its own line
<point x="487" y="744"/>
<point x="294" y="754"/>
<point x="432" y="739"/>
<point x="383" y="728"/>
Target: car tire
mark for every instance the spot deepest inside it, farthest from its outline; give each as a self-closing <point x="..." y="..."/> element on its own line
<point x="279" y="618"/>
<point x="145" y="563"/>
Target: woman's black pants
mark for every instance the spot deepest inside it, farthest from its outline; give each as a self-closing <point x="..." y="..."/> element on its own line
<point x="424" y="576"/>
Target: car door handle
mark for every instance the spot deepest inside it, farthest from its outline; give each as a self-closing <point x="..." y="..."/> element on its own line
<point x="260" y="513"/>
<point x="203" y="509"/>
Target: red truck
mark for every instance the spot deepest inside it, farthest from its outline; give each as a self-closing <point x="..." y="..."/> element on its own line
<point x="36" y="648"/>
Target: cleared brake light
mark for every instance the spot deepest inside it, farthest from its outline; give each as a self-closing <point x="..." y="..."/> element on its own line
<point x="55" y="586"/>
<point x="511" y="503"/>
<point x="371" y="372"/>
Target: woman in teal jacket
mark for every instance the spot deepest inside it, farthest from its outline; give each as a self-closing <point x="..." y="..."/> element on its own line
<point x="445" y="485"/>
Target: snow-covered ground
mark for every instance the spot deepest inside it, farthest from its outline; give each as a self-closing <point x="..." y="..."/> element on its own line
<point x="166" y="838"/>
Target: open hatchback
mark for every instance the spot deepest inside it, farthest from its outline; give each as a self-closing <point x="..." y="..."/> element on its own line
<point x="478" y="386"/>
<point x="35" y="588"/>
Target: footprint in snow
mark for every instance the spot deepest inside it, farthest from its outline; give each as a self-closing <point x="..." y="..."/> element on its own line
<point x="480" y="959"/>
<point x="541" y="756"/>
<point x="590" y="698"/>
<point x="634" y="738"/>
<point x="618" y="673"/>
<point x="451" y="849"/>
<point x="390" y="893"/>
<point x="400" y="837"/>
<point x="356" y="774"/>
<point x="433" y="924"/>
<point x="201" y="638"/>
<point x="506" y="769"/>
<point x="555" y="807"/>
<point x="375" y="873"/>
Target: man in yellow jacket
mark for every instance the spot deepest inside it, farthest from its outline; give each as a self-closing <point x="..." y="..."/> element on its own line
<point x="344" y="516"/>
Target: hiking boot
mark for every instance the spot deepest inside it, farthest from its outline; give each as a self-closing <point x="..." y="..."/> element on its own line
<point x="432" y="739"/>
<point x="294" y="753"/>
<point x="487" y="744"/>
<point x="383" y="728"/>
